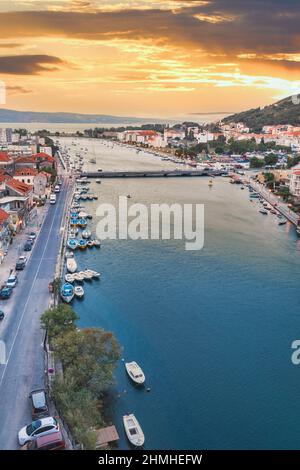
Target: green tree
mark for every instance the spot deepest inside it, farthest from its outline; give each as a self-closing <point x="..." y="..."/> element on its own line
<point x="90" y="355"/>
<point x="271" y="159"/>
<point x="59" y="320"/>
<point x="256" y="162"/>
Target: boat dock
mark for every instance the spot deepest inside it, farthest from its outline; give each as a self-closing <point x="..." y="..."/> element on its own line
<point x="281" y="207"/>
<point x="148" y="173"/>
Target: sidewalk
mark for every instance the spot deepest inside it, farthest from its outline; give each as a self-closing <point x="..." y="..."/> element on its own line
<point x="16" y="248"/>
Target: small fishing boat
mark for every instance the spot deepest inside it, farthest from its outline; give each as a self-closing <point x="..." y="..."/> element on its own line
<point x="89" y="216"/>
<point x="78" y="277"/>
<point x="72" y="243"/>
<point x="263" y="211"/>
<point x="97" y="243"/>
<point x="82" y="222"/>
<point x="282" y="222"/>
<point x="82" y="244"/>
<point x="86" y="234"/>
<point x="90" y="243"/>
<point x="95" y="196"/>
<point x="128" y="196"/>
<point x="95" y="273"/>
<point x="79" y="291"/>
<point x="82" y="215"/>
<point x="71" y="265"/>
<point x="73" y="222"/>
<point x="133" y="430"/>
<point x="83" y="197"/>
<point x="69" y="278"/>
<point x="72" y="233"/>
<point x="98" y="181"/>
<point x="90" y="273"/>
<point x="87" y="274"/>
<point x="67" y="292"/>
<point x="73" y="214"/>
<point x="135" y="372"/>
<point x="69" y="254"/>
<point x="90" y="197"/>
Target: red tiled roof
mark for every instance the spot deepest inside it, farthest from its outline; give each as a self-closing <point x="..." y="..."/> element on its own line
<point x="26" y="172"/>
<point x="18" y="186"/>
<point x="43" y="156"/>
<point x="3" y="216"/>
<point x="4" y="158"/>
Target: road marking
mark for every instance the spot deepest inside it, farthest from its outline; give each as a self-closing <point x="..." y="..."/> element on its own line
<point x="28" y="298"/>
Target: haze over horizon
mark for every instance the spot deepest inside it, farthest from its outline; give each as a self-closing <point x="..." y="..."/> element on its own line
<point x="148" y="58"/>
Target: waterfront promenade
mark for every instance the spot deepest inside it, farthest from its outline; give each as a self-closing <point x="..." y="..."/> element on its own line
<point x="20" y="330"/>
<point x="281" y="206"/>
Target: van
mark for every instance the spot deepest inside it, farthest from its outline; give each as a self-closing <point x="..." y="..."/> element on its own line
<point x="52" y="198"/>
<point x="53" y="441"/>
<point x="39" y="404"/>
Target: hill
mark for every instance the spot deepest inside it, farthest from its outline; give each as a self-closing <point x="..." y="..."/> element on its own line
<point x="282" y="112"/>
<point x="13" y="116"/>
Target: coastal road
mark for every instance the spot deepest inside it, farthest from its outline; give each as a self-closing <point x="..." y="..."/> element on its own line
<point x="21" y="332"/>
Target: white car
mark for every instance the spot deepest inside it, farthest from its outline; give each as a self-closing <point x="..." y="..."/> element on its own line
<point x="57" y="189"/>
<point x="52" y="198"/>
<point x="12" y="281"/>
<point x="37" y="428"/>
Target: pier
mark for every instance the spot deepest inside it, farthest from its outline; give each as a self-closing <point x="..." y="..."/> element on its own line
<point x="148" y="174"/>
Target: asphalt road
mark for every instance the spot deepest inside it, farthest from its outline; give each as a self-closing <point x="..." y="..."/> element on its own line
<point x="21" y="332"/>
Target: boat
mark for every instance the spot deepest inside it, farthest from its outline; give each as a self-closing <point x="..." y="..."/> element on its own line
<point x="87" y="274"/>
<point x="78" y="277"/>
<point x="98" y="181"/>
<point x="135" y="372"/>
<point x="69" y="278"/>
<point x="69" y="254"/>
<point x="95" y="196"/>
<point x="95" y="273"/>
<point x="82" y="222"/>
<point x="82" y="215"/>
<point x="86" y="233"/>
<point x="282" y="222"/>
<point x="73" y="214"/>
<point x="97" y="243"/>
<point x="72" y="243"/>
<point x="263" y="211"/>
<point x="89" y="216"/>
<point x="133" y="430"/>
<point x="128" y="196"/>
<point x="90" y="273"/>
<point x="67" y="292"/>
<point x="71" y="265"/>
<point x="254" y="195"/>
<point x="72" y="233"/>
<point x="83" y="197"/>
<point x="92" y="160"/>
<point x="90" y="197"/>
<point x="90" y="243"/>
<point x="79" y="291"/>
<point x="82" y="244"/>
<point x="73" y="222"/>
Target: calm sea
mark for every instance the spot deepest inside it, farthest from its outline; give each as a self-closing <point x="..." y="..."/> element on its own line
<point x="212" y="329"/>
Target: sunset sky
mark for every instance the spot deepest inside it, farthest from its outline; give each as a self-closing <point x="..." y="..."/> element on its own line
<point x="153" y="58"/>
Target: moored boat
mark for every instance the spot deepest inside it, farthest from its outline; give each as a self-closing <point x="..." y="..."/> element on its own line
<point x="79" y="291"/>
<point x="97" y="243"/>
<point x="82" y="222"/>
<point x="86" y="234"/>
<point x="73" y="222"/>
<point x="72" y="243"/>
<point x="282" y="222"/>
<point x="67" y="292"/>
<point x="82" y="244"/>
<point x="263" y="211"/>
<point x="135" y="372"/>
<point x="133" y="430"/>
<point x="69" y="278"/>
<point x="71" y="265"/>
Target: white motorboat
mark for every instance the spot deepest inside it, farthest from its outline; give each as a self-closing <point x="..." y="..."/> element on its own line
<point x="78" y="277"/>
<point x="69" y="278"/>
<point x="133" y="430"/>
<point x="71" y="265"/>
<point x="87" y="274"/>
<point x="79" y="291"/>
<point x="94" y="273"/>
<point x="97" y="243"/>
<point x="82" y="215"/>
<point x="86" y="233"/>
<point x="135" y="372"/>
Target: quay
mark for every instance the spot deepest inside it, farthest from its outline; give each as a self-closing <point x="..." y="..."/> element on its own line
<point x="149" y="173"/>
<point x="281" y="207"/>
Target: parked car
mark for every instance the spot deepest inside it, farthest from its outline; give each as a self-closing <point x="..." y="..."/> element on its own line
<point x="32" y="236"/>
<point x="21" y="263"/>
<point x="12" y="281"/>
<point x="39" y="404"/>
<point x="53" y="441"/>
<point x="57" y="189"/>
<point x="1" y="315"/>
<point x="40" y="427"/>
<point x="5" y="292"/>
<point x="52" y="198"/>
<point x="28" y="246"/>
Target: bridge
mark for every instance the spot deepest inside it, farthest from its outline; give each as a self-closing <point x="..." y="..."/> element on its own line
<point x="148" y="173"/>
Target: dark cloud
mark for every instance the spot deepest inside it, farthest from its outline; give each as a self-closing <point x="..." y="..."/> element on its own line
<point x="29" y="64"/>
<point x="259" y="26"/>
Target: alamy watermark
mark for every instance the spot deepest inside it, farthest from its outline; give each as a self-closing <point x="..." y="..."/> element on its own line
<point x="152" y="222"/>
<point x="2" y="353"/>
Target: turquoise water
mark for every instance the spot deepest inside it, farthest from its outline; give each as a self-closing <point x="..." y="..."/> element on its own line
<point x="212" y="329"/>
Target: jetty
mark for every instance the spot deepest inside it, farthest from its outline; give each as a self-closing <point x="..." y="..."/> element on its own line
<point x="149" y="173"/>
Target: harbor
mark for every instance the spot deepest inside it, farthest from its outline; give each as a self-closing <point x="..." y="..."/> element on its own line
<point x="162" y="304"/>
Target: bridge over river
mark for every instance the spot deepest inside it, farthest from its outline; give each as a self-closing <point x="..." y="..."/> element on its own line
<point x="148" y="173"/>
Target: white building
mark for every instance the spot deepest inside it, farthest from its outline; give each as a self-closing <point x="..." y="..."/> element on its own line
<point x="295" y="181"/>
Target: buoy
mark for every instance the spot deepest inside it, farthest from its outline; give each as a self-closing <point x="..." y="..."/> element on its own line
<point x="148" y="389"/>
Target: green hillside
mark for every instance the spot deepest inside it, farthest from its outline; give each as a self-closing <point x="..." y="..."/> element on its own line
<point x="282" y="112"/>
